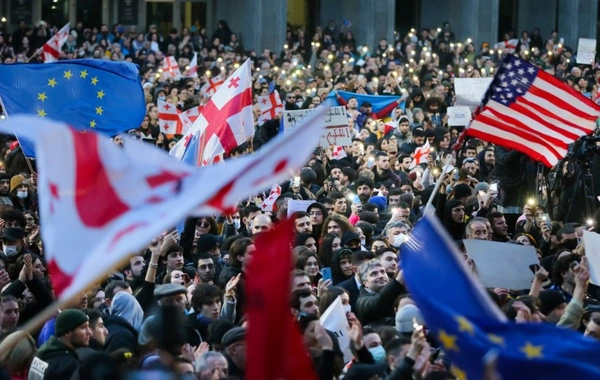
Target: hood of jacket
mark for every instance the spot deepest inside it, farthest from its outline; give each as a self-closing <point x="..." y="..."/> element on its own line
<point x="54" y="347"/>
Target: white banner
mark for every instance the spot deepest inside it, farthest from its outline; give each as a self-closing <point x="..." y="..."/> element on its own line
<point x="591" y="242"/>
<point x="336" y="132"/>
<point x="334" y="320"/>
<point x="470" y="91"/>
<point x="458" y="116"/>
<point x="586" y="51"/>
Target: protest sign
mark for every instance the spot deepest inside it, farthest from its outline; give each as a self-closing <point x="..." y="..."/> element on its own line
<point x="336" y="132"/>
<point x="591" y="241"/>
<point x="298" y="205"/>
<point x="586" y="51"/>
<point x="470" y="91"/>
<point x="458" y="116"/>
<point x="501" y="265"/>
<point x="334" y="320"/>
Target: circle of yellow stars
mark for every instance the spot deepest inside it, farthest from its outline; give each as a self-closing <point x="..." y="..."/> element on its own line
<point x="67" y="76"/>
<point x="450" y="343"/>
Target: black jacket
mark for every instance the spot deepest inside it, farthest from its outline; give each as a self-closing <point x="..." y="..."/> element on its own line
<point x="376" y="307"/>
<point x="120" y="334"/>
<point x="353" y="291"/>
<point x="62" y="361"/>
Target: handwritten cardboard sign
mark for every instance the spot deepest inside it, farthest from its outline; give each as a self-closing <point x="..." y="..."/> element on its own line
<point x="336" y="132"/>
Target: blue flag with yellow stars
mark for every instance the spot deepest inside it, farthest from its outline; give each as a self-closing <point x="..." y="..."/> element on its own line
<point x="467" y="324"/>
<point x="88" y="94"/>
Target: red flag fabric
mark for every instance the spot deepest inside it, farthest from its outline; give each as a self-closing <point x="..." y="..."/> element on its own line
<point x="274" y="345"/>
<point x="51" y="49"/>
<point x="531" y="111"/>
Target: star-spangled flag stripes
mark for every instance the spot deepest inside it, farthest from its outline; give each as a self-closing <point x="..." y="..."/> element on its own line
<point x="212" y="85"/>
<point x="531" y="111"/>
<point x="269" y="105"/>
<point x="420" y="155"/>
<point x="170" y="69"/>
<point x="51" y="49"/>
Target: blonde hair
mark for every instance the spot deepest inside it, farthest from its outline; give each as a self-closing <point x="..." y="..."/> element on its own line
<point x="19" y="358"/>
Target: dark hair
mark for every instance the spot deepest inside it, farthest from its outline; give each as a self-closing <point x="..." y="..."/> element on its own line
<point x="297" y="295"/>
<point x="109" y="290"/>
<point x="381" y="251"/>
<point x="362" y="180"/>
<point x="213" y="225"/>
<point x="562" y="265"/>
<point x="298" y="215"/>
<point x="336" y="195"/>
<point x="325" y="250"/>
<point x="216" y="330"/>
<point x="367" y="230"/>
<point x="359" y="257"/>
<point x="564" y="231"/>
<point x="303" y="257"/>
<point x="329" y="296"/>
<point x="14" y="214"/>
<point x="93" y="315"/>
<point x="394" y="346"/>
<point x="204" y="294"/>
<point x="494" y="215"/>
<point x="303" y="237"/>
<point x="237" y="250"/>
<point x="250" y="209"/>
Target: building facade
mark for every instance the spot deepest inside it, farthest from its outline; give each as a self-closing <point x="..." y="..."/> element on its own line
<point x="262" y="23"/>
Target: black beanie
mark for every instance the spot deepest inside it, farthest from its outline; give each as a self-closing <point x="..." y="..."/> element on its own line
<point x="550" y="300"/>
<point x="68" y="320"/>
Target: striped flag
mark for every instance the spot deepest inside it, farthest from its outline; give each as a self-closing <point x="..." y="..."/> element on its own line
<point x="51" y="49"/>
<point x="531" y="111"/>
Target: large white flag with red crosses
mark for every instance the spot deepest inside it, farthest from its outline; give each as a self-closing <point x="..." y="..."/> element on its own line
<point x="225" y="122"/>
<point x="269" y="203"/>
<point x="169" y="119"/>
<point x="170" y="69"/>
<point x="212" y="85"/>
<point x="100" y="202"/>
<point x="420" y="155"/>
<point x="270" y="106"/>
<point x="51" y="49"/>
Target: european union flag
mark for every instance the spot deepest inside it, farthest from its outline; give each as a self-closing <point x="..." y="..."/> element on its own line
<point x="378" y="102"/>
<point x="467" y="324"/>
<point x="87" y="94"/>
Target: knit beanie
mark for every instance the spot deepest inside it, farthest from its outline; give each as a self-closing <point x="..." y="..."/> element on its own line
<point x="550" y="300"/>
<point x="68" y="320"/>
<point x="405" y="316"/>
<point x="16" y="181"/>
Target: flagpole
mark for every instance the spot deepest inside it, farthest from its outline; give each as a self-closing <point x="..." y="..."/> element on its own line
<point x="19" y="141"/>
<point x="37" y="52"/>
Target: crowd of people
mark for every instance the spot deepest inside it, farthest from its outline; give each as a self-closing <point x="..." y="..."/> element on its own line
<point x="177" y="307"/>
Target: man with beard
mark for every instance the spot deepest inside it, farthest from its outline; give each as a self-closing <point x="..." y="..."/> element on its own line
<point x="364" y="189"/>
<point x="205" y="269"/>
<point x="5" y="189"/>
<point x="134" y="270"/>
<point x="382" y="170"/>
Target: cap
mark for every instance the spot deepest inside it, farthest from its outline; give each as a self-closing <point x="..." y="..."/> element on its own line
<point x="16" y="181"/>
<point x="232" y="336"/>
<point x="481" y="186"/>
<point x="168" y="290"/>
<point x="349" y="236"/>
<point x="13" y="233"/>
<point x="68" y="321"/>
<point x="405" y="316"/>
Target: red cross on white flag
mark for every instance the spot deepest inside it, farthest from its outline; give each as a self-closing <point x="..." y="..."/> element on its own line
<point x="212" y="85"/>
<point x="338" y="152"/>
<point x="51" y="49"/>
<point x="269" y="106"/>
<point x="269" y="202"/>
<point x="420" y="155"/>
<point x="170" y="68"/>
<point x="193" y="69"/>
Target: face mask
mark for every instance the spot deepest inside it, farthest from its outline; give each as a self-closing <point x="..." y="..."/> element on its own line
<point x="22" y="194"/>
<point x="363" y="242"/>
<point x="347" y="309"/>
<point x="399" y="239"/>
<point x="378" y="354"/>
<point x="237" y="223"/>
<point x="162" y="97"/>
<point x="11" y="250"/>
<point x="299" y="104"/>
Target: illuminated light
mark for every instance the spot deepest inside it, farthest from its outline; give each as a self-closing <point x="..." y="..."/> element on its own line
<point x="469" y="40"/>
<point x="187" y="67"/>
<point x="491" y="52"/>
<point x="308" y="67"/>
<point x="274" y="68"/>
<point x="441" y="72"/>
<point x="410" y="35"/>
<point x="330" y="56"/>
<point x="365" y="49"/>
<point x="236" y="65"/>
<point x="285" y="46"/>
<point x="451" y="45"/>
<point x="223" y="68"/>
<point x="421" y="62"/>
<point x="459" y="44"/>
<point x="294" y="75"/>
<point x="531" y="201"/>
<point x="428" y="54"/>
<point x="208" y="73"/>
<point x="3" y="20"/>
<point x="434" y="55"/>
<point x="415" y="77"/>
<point x="257" y="69"/>
<point x="559" y="46"/>
<point x="466" y="60"/>
<point x="589" y="222"/>
<point x="406" y="64"/>
<point x="219" y="59"/>
<point x="549" y="53"/>
<point x="344" y="62"/>
<point x="412" y="30"/>
<point x="288" y="82"/>
<point x="326" y="67"/>
<point x="526" y="52"/>
<point x="391" y="49"/>
<point x="461" y="70"/>
<point x="312" y="44"/>
<point x="260" y="76"/>
<point x="383" y="55"/>
<point x="491" y="69"/>
<point x="283" y="72"/>
<point x="412" y="52"/>
<point x="318" y="44"/>
<point x="424" y="48"/>
<point x="482" y="71"/>
<point x="410" y="70"/>
<point x="411" y="61"/>
<point x="439" y="29"/>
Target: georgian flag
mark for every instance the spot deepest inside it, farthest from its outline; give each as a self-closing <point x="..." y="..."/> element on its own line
<point x="420" y="155"/>
<point x="269" y="106"/>
<point x="212" y="85"/>
<point x="170" y="68"/>
<point x="193" y="69"/>
<point x="51" y="49"/>
<point x="338" y="152"/>
<point x="269" y="203"/>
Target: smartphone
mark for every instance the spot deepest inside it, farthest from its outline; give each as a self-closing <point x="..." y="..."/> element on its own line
<point x="296" y="182"/>
<point x="326" y="274"/>
<point x="546" y="219"/>
<point x="494" y="187"/>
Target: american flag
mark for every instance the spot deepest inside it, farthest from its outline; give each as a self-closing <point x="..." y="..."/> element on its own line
<point x="531" y="111"/>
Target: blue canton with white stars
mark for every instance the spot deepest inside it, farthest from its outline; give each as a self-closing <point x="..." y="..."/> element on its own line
<point x="513" y="79"/>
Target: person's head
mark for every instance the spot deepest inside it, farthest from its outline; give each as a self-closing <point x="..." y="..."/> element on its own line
<point x="331" y="295"/>
<point x="205" y="267"/>
<point x="553" y="305"/>
<point x="240" y="252"/>
<point x="171" y="295"/>
<point x="307" y="240"/>
<point x="562" y="272"/>
<point x="173" y="259"/>
<point x="498" y="223"/>
<point x="395" y="351"/>
<point x="261" y="223"/>
<point x="72" y="327"/>
<point x="250" y="213"/>
<point x="308" y="262"/>
<point x="300" y="280"/>
<point x="135" y="268"/>
<point x="9" y="312"/>
<point x="206" y="301"/>
<point x="317" y="213"/>
<point x="476" y="230"/>
<point x="456" y="209"/>
<point x="12" y="241"/>
<point x="127" y="306"/>
<point x="212" y="365"/>
<point x="592" y="329"/>
<point x="113" y="288"/>
<point x="373" y="343"/>
<point x="397" y="233"/>
<point x="364" y="188"/>
<point x="304" y="301"/>
<point x="373" y="276"/>
<point x="17" y="360"/>
<point x="339" y="203"/>
<point x="97" y="328"/>
<point x="235" y="346"/>
<point x="394" y="197"/>
<point x="382" y="161"/>
<point x="301" y="222"/>
<point x="336" y="224"/>
<point x="567" y="237"/>
<point x="489" y="157"/>
<point x="388" y="257"/>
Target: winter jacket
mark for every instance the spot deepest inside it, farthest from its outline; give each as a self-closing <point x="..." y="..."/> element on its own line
<point x="54" y="360"/>
<point x="376" y="307"/>
<point x="120" y="334"/>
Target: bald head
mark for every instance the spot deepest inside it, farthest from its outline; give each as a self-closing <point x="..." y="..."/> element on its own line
<point x="261" y="223"/>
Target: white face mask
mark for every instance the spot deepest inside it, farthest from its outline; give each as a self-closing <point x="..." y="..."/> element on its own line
<point x="10" y="250"/>
<point x="237" y="223"/>
<point x="22" y="194"/>
<point x="399" y="239"/>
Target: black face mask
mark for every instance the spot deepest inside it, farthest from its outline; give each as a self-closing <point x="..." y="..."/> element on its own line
<point x="569" y="244"/>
